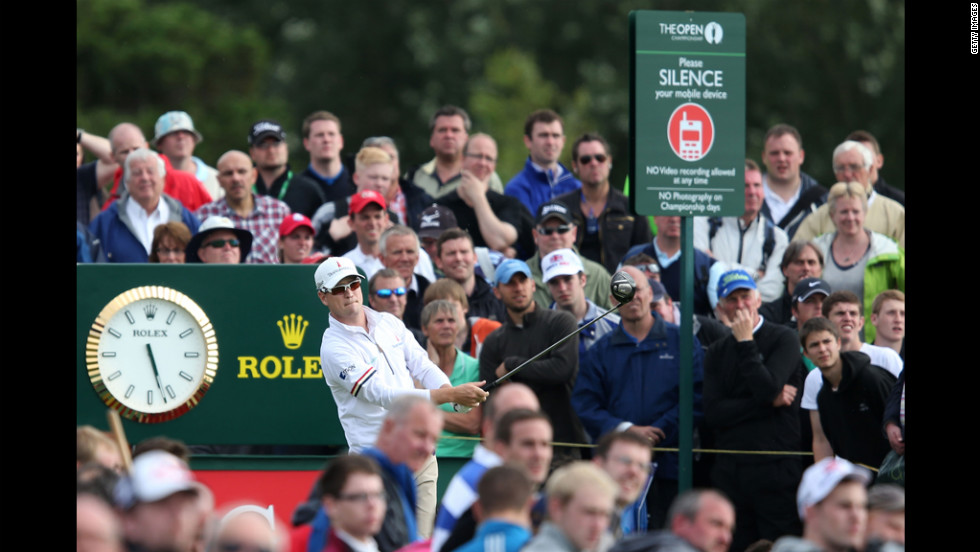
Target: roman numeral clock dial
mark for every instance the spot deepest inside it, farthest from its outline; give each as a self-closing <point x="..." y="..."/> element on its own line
<point x="151" y="354"/>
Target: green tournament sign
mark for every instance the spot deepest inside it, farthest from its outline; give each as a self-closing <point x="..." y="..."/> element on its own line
<point x="687" y="103"/>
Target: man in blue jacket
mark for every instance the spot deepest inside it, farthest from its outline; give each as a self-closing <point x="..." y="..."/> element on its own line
<point x="543" y="177"/>
<point x="629" y="381"/>
<point x="125" y="228"/>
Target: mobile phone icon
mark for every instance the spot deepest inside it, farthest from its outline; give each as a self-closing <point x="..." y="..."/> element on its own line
<point x="691" y="138"/>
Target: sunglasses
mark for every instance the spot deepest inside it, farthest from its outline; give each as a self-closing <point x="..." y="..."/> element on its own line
<point x="586" y="159"/>
<point x="561" y="229"/>
<point x="386" y="293"/>
<point x="218" y="244"/>
<point x="651" y="267"/>
<point x="353" y="286"/>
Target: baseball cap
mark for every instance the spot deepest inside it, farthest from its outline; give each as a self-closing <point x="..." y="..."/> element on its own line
<point x="360" y="200"/>
<point x="553" y="208"/>
<point x="263" y="129"/>
<point x="332" y="271"/>
<point x="155" y="475"/>
<point x="172" y="121"/>
<point x="217" y="222"/>
<point x="292" y="222"/>
<point x="807" y="287"/>
<point x="561" y="262"/>
<point x="659" y="291"/>
<point x="734" y="279"/>
<point x="508" y="268"/>
<point x="435" y="219"/>
<point x="820" y="479"/>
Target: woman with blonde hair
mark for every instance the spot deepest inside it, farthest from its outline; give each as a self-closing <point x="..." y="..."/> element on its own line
<point x="857" y="259"/>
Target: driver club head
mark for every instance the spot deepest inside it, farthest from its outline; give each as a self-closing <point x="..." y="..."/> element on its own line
<point x="622" y="287"/>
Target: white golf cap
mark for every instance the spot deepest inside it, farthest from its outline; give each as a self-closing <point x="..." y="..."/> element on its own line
<point x="155" y="475"/>
<point x="332" y="271"/>
<point x="820" y="479"/>
<point x="561" y="262"/>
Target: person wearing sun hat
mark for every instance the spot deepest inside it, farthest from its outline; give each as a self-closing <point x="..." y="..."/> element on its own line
<point x="176" y="137"/>
<point x="218" y="241"/>
<point x="751" y="380"/>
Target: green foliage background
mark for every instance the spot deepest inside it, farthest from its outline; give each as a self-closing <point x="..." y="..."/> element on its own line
<point x="826" y="66"/>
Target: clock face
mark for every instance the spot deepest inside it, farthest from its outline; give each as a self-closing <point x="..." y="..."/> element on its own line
<point x="151" y="354"/>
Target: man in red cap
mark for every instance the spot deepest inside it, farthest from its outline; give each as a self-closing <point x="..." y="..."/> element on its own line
<point x="368" y="219"/>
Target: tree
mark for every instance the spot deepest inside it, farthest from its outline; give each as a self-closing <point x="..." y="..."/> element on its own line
<point x="137" y="61"/>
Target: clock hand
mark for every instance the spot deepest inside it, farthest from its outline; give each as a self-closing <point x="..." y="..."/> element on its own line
<point x="156" y="373"/>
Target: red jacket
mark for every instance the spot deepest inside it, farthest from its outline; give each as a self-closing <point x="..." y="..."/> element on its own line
<point x="182" y="186"/>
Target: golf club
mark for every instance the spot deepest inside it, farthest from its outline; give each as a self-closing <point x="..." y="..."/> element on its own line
<point x="622" y="287"/>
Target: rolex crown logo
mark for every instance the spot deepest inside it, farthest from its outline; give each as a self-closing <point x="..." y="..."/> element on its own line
<point x="150" y="311"/>
<point x="292" y="328"/>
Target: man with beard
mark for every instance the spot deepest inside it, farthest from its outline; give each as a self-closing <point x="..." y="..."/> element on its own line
<point x="261" y="215"/>
<point x="528" y="329"/>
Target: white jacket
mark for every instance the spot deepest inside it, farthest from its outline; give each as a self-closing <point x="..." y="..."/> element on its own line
<point x="366" y="371"/>
<point x="725" y="247"/>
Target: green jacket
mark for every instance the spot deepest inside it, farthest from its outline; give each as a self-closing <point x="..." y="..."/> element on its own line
<point x="885" y="270"/>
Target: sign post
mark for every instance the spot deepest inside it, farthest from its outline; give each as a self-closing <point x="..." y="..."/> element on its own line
<point x="687" y="144"/>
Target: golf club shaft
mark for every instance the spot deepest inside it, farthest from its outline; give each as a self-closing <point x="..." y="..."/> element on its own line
<point x="507" y="376"/>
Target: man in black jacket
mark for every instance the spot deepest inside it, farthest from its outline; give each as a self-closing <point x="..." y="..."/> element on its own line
<point x="751" y="380"/>
<point x="607" y="227"/>
<point x="497" y="221"/>
<point x="530" y="328"/>
<point x="852" y="400"/>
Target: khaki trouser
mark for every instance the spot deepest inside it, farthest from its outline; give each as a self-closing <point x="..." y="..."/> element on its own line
<point x="426" y="483"/>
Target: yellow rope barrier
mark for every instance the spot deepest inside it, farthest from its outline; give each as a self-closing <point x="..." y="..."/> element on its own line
<point x="672" y="449"/>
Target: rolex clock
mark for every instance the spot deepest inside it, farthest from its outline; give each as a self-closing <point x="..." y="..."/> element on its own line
<point x="151" y="354"/>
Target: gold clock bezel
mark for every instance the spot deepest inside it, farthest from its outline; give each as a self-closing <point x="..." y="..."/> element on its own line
<point x="95" y="336"/>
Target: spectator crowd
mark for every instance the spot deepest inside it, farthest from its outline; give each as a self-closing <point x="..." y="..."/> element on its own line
<point x="797" y="355"/>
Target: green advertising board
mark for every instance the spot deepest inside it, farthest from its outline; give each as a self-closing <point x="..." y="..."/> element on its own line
<point x="262" y="347"/>
<point x="687" y="98"/>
